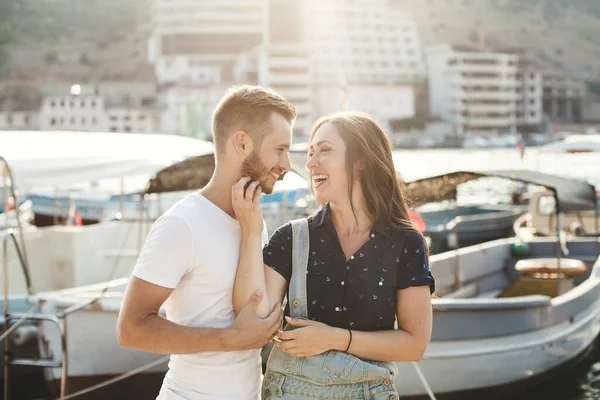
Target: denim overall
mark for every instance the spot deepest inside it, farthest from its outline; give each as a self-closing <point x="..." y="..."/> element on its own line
<point x="331" y="375"/>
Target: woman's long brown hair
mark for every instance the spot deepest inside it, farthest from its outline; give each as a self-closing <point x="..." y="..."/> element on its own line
<point x="366" y="142"/>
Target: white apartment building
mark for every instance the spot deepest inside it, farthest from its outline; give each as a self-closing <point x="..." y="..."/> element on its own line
<point x="369" y="41"/>
<point x="75" y="113"/>
<point x="19" y="120"/>
<point x="198" y="41"/>
<point x="131" y="120"/>
<point x="130" y="106"/>
<point x="474" y="90"/>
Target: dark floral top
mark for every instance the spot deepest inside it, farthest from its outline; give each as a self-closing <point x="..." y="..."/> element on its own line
<point x="359" y="294"/>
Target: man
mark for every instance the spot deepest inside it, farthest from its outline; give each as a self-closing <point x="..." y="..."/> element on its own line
<point x="189" y="262"/>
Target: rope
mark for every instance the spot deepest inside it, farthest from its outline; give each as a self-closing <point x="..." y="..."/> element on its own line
<point x="116" y="379"/>
<point x="16" y="324"/>
<point x="424" y="381"/>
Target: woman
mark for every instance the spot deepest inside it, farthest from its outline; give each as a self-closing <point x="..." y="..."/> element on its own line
<point x="366" y="266"/>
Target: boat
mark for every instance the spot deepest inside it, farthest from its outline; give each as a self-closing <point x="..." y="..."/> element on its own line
<point x="574" y="144"/>
<point x="450" y="224"/>
<point x="507" y="313"/>
<point x="510" y="312"/>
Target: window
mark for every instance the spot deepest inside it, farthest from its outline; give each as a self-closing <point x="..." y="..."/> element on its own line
<point x="52" y="121"/>
<point x="532" y="101"/>
<point x="26" y="119"/>
<point x="72" y="120"/>
<point x="82" y="103"/>
<point x="93" y="104"/>
<point x="62" y="103"/>
<point x="532" y="114"/>
<point x="72" y="104"/>
<point x="52" y="104"/>
<point x="532" y="89"/>
<point x="127" y="129"/>
<point x="9" y="119"/>
<point x="94" y="121"/>
<point x="113" y="128"/>
<point x="83" y="121"/>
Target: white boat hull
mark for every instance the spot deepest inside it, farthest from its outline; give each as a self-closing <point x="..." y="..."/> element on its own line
<point x="454" y="366"/>
<point x="448" y="366"/>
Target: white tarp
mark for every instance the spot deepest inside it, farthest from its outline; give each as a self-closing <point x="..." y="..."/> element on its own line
<point x="59" y="158"/>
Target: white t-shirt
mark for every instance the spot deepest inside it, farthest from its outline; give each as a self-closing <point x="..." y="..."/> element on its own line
<point x="194" y="248"/>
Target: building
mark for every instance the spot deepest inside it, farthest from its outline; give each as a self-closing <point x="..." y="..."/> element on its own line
<point x="563" y="95"/>
<point x="19" y="106"/>
<point x="529" y="89"/>
<point x="371" y="41"/>
<point x="477" y="91"/>
<point x="198" y="42"/>
<point x="19" y="120"/>
<point x="130" y="106"/>
<point x="73" y="113"/>
<point x="296" y="48"/>
<point x="187" y="110"/>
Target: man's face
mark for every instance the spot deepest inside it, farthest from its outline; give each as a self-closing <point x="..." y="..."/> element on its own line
<point x="267" y="162"/>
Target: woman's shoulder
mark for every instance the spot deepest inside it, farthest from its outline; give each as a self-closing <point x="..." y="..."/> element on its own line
<point x="409" y="235"/>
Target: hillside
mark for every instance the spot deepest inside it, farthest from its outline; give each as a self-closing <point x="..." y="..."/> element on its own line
<point x="107" y="39"/>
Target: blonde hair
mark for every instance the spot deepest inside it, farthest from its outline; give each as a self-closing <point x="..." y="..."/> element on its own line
<point x="248" y="108"/>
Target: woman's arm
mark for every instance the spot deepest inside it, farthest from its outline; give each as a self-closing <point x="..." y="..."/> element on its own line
<point x="407" y="343"/>
<point x="410" y="340"/>
<point x="252" y="274"/>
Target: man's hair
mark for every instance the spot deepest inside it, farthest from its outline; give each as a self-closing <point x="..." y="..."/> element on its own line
<point x="247" y="108"/>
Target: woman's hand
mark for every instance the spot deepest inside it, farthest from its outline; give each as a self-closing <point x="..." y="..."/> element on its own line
<point x="311" y="338"/>
<point x="246" y="205"/>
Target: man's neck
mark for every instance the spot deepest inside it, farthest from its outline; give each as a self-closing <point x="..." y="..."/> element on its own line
<point x="218" y="190"/>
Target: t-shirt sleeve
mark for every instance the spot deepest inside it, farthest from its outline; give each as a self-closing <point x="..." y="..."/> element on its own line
<point x="167" y="254"/>
<point x="277" y="254"/>
<point x="413" y="269"/>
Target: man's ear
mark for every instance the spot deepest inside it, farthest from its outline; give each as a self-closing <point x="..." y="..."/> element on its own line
<point x="241" y="143"/>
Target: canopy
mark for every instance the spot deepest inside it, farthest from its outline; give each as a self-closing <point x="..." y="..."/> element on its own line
<point x="61" y="158"/>
<point x="195" y="172"/>
<point x="572" y="195"/>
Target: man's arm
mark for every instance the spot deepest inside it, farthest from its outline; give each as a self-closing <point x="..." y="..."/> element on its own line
<point x="141" y="327"/>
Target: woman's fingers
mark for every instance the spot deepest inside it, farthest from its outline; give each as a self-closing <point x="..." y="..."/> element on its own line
<point x="249" y="195"/>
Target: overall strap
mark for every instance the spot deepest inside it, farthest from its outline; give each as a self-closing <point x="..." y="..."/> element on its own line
<point x="297" y="289"/>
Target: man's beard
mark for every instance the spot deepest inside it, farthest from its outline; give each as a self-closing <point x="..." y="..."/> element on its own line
<point x="253" y="167"/>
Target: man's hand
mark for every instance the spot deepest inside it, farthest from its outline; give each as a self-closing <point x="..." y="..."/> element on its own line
<point x="246" y="205"/>
<point x="250" y="332"/>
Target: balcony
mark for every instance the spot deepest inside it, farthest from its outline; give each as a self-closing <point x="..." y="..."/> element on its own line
<point x="497" y="68"/>
<point x="289" y="62"/>
<point x="486" y="95"/>
<point x="289" y="79"/>
<point x="499" y="122"/>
